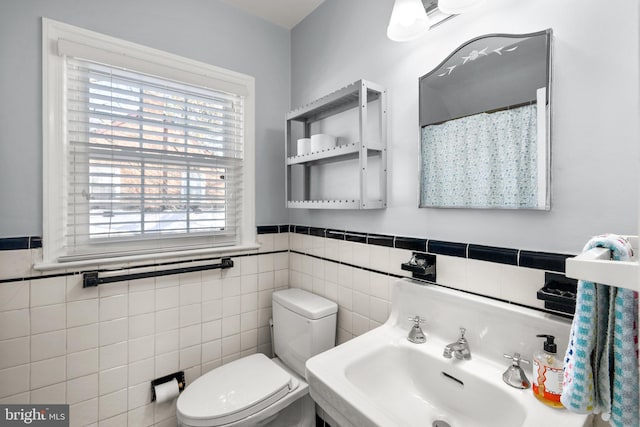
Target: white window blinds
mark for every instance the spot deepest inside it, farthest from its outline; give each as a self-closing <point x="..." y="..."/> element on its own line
<point x="149" y="158"/>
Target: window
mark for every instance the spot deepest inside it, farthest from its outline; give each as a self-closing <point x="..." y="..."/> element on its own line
<point x="160" y="158"/>
<point x="155" y="152"/>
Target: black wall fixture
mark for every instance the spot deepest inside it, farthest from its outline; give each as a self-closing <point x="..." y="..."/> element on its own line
<point x="423" y="266"/>
<point x="92" y="278"/>
<point x="559" y="293"/>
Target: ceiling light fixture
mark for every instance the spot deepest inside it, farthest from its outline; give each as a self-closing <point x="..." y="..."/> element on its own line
<point x="408" y="21"/>
<point x="411" y="19"/>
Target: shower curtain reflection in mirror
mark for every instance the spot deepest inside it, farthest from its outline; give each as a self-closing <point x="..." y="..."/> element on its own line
<point x="483" y="160"/>
<point x="485" y="125"/>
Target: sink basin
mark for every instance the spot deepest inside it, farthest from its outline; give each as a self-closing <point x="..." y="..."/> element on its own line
<point x="416" y="388"/>
<point x="382" y="379"/>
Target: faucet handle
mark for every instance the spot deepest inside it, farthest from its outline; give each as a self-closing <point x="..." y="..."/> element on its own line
<point x="417" y="320"/>
<point x="462" y="332"/>
<point x="416" y="335"/>
<point x="514" y="375"/>
<point x="517" y="359"/>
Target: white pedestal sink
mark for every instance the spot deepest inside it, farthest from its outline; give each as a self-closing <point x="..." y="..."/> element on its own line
<point x="381" y="379"/>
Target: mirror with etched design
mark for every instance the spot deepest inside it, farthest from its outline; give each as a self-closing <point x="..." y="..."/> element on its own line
<point x="485" y="125"/>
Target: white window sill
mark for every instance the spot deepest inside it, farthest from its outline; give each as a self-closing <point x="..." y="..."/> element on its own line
<point x="185" y="255"/>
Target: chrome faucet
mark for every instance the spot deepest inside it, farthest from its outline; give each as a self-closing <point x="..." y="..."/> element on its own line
<point x="514" y="375"/>
<point x="459" y="349"/>
<point x="415" y="334"/>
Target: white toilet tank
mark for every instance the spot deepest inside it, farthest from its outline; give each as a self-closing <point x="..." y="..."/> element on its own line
<point x="304" y="325"/>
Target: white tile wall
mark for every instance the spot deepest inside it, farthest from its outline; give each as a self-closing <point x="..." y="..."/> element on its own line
<point x="97" y="349"/>
<point x="364" y="297"/>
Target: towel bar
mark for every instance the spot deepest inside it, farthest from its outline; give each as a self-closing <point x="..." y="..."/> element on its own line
<point x="92" y="278"/>
<point x="595" y="265"/>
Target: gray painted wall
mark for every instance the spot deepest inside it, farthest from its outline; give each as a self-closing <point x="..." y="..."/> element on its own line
<point x="595" y="150"/>
<point x="595" y="154"/>
<point x="207" y="31"/>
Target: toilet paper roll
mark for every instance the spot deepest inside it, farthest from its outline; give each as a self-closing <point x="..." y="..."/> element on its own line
<point x="322" y="141"/>
<point x="304" y="146"/>
<point x="167" y="391"/>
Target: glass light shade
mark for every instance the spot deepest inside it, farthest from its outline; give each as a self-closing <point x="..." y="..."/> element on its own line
<point x="454" y="7"/>
<point x="408" y="21"/>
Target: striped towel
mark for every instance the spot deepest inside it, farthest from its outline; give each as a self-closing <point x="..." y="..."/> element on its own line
<point x="601" y="362"/>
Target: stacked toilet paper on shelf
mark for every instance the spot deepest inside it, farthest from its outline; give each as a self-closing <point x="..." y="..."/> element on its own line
<point x="317" y="142"/>
<point x="322" y="141"/>
<point x="304" y="146"/>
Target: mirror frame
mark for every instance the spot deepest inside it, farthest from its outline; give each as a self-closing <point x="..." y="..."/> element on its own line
<point x="548" y="79"/>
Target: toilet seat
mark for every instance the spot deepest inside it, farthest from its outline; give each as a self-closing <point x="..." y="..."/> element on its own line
<point x="234" y="391"/>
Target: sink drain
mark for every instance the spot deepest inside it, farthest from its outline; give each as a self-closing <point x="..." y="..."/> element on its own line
<point x="440" y="423"/>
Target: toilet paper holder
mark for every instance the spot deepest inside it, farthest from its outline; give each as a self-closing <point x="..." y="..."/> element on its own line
<point x="179" y="376"/>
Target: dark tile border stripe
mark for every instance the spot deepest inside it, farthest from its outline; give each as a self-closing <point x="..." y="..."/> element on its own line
<point x="20" y="243"/>
<point x="543" y="260"/>
<point x="411" y="243"/>
<point x="318" y="232"/>
<point x="300" y="229"/>
<point x="523" y="258"/>
<point x="35" y="242"/>
<point x="335" y="234"/>
<point x="268" y="229"/>
<point x="355" y="237"/>
<point x="493" y="254"/>
<point x="380" y="240"/>
<point x="14" y="243"/>
<point x="448" y="248"/>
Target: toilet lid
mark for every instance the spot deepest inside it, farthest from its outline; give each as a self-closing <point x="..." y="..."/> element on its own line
<point x="234" y="391"/>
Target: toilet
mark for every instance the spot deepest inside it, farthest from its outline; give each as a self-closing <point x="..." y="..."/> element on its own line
<point x="258" y="391"/>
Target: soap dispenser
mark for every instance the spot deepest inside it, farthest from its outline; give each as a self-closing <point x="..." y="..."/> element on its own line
<point x="548" y="373"/>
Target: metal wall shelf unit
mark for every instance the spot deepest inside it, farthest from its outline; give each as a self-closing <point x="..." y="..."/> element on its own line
<point x="357" y="95"/>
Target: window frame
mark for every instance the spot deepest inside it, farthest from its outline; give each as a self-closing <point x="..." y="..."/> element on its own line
<point x="58" y="37"/>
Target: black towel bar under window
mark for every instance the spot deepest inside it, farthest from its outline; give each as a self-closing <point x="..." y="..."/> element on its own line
<point x="92" y="278"/>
